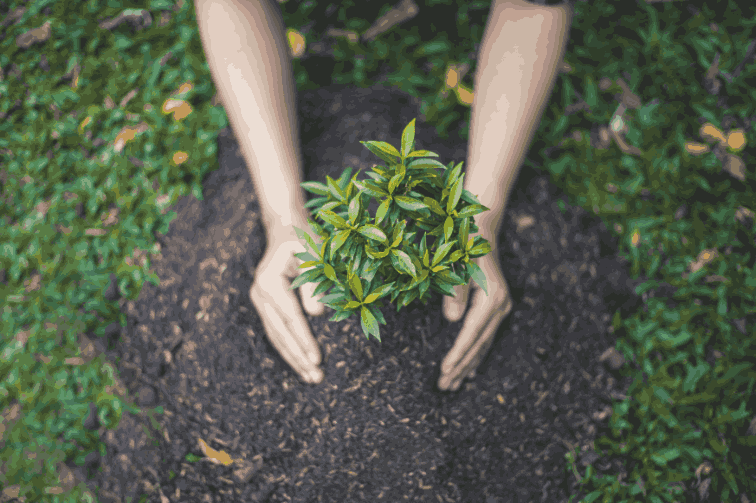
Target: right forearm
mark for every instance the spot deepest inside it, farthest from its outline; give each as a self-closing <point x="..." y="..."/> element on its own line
<point x="246" y="49"/>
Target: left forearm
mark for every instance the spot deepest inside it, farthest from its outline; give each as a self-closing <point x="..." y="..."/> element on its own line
<point x="522" y="47"/>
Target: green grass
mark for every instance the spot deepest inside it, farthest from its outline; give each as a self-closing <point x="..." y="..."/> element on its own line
<point x="58" y="254"/>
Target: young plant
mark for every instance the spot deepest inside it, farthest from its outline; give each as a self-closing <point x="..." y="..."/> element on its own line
<point x="380" y="258"/>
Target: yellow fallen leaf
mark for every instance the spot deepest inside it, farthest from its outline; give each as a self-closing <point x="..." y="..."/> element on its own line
<point x="452" y="78"/>
<point x="696" y="148"/>
<point x="736" y="140"/>
<point x="296" y="42"/>
<point x="84" y="124"/>
<point x="180" y="157"/>
<point x="711" y="132"/>
<point x="635" y="238"/>
<point x="215" y="456"/>
<point x="184" y="88"/>
<point x="464" y="95"/>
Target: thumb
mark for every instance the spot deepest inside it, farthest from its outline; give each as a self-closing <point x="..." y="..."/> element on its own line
<point x="310" y="302"/>
<point x="454" y="307"/>
<point x="306" y="291"/>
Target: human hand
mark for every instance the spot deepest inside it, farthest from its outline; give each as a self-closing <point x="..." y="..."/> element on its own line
<point x="283" y="320"/>
<point x="483" y="319"/>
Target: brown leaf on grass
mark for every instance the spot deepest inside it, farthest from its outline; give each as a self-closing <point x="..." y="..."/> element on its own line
<point x="215" y="457"/>
<point x="735" y="166"/>
<point x="34" y="36"/>
<point x="404" y="10"/>
<point x="139" y="19"/>
<point x="628" y="97"/>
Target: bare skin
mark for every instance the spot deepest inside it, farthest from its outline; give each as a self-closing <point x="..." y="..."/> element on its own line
<point x="248" y="56"/>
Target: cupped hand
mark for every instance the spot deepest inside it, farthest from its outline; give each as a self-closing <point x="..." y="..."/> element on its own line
<point x="285" y="325"/>
<point x="479" y="328"/>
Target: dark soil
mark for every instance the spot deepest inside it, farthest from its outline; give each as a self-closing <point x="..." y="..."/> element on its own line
<point x="377" y="428"/>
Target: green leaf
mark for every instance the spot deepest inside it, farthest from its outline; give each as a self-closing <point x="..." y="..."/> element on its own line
<point x="591" y="92"/>
<point x="409" y="203"/>
<point x="421" y="153"/>
<point x="343" y="180"/>
<point x="324" y="286"/>
<point x="356" y="286"/>
<point x="308" y="264"/>
<point x="340" y="316"/>
<point x="377" y="313"/>
<point x="315" y="188"/>
<point x="402" y="262"/>
<point x="372" y="232"/>
<point x="431" y="164"/>
<point x="456" y="255"/>
<point x="375" y="254"/>
<point x="339" y="239"/>
<point x="382" y="211"/>
<point x="441" y="252"/>
<point x="694" y="375"/>
<point x="432" y="47"/>
<point x="470" y="198"/>
<point x="408" y="138"/>
<point x="371" y="189"/>
<point x="480" y="250"/>
<point x="451" y="176"/>
<point x="456" y="192"/>
<point x="398" y="233"/>
<point x="311" y="276"/>
<point x="335" y="190"/>
<point x="384" y="150"/>
<point x="434" y="206"/>
<point x="464" y="229"/>
<point x="303" y="235"/>
<point x="478" y="276"/>
<point x="331" y="273"/>
<point x="395" y="180"/>
<point x="333" y="219"/>
<point x="355" y="208"/>
<point x="472" y="210"/>
<point x="379" y="292"/>
<point x="448" y="228"/>
<point x="369" y="324"/>
<point x="352" y="304"/>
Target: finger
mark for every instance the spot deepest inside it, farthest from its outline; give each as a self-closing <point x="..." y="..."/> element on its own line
<point x="296" y="321"/>
<point x="311" y="302"/>
<point x="279" y="335"/>
<point x="454" y="307"/>
<point x="307" y="348"/>
<point x="290" y="333"/>
<point x="468" y="364"/>
<point x="306" y="291"/>
<point x="472" y="344"/>
<point x="472" y="330"/>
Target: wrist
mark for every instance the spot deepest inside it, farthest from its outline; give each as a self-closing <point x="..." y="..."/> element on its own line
<point x="285" y="228"/>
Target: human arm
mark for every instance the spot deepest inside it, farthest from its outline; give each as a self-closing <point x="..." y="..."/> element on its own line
<point x="246" y="50"/>
<point x="523" y="44"/>
<point x="517" y="65"/>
